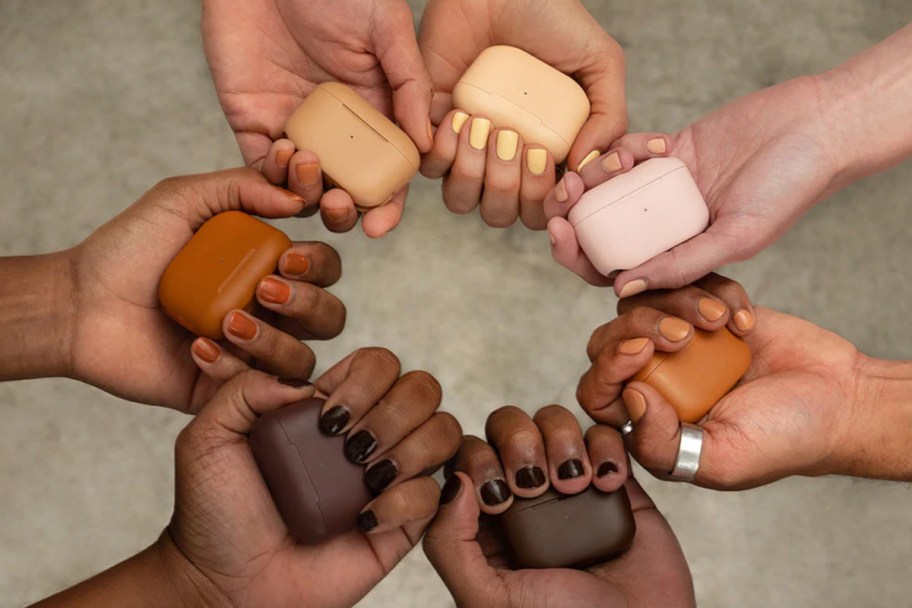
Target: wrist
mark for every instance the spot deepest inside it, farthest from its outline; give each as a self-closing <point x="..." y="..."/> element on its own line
<point x="184" y="584"/>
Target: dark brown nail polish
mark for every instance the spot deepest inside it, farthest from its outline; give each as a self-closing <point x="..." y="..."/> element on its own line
<point x="295" y="382"/>
<point x="381" y="475"/>
<point x="367" y="521"/>
<point x="451" y="489"/>
<point x="607" y="468"/>
<point x="570" y="469"/>
<point x="360" y="446"/>
<point x="495" y="492"/>
<point x="334" y="420"/>
<point x="530" y="477"/>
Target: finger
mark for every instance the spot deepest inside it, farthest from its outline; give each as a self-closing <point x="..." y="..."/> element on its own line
<point x="306" y="179"/>
<point x="502" y="174"/>
<point x="608" y="457"/>
<point x="438" y="161"/>
<point x="354" y="385"/>
<point x="462" y="187"/>
<point x="412" y="500"/>
<point x="274" y="350"/>
<point x="667" y="332"/>
<point x="315" y="263"/>
<point x="421" y="452"/>
<point x="380" y="220"/>
<point x="522" y="451"/>
<point x="537" y="180"/>
<point x="479" y="461"/>
<point x="411" y="401"/>
<point x="275" y="165"/>
<point x="742" y="320"/>
<point x="566" y="251"/>
<point x="570" y="469"/>
<point x="611" y="164"/>
<point x="337" y="209"/>
<point x="600" y="386"/>
<point x="307" y="311"/>
<point x="644" y="146"/>
<point x="697" y="306"/>
<point x="215" y="361"/>
<point x="563" y="196"/>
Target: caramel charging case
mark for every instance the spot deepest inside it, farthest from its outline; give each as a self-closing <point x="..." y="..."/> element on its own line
<point x="555" y="530"/>
<point x="518" y="91"/>
<point x="218" y="270"/>
<point x="633" y="217"/>
<point x="360" y="149"/>
<point x="692" y="380"/>
<point x="318" y="492"/>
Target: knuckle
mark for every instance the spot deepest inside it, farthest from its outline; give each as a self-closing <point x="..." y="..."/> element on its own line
<point x="450" y="429"/>
<point x="551" y="413"/>
<point x="309" y="300"/>
<point x="425" y="383"/>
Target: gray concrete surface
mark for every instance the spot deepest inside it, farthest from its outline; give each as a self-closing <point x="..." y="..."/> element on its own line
<point x="100" y="99"/>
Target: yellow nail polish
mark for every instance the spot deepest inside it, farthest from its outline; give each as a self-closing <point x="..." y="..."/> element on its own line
<point x="656" y="145"/>
<point x="459" y="119"/>
<point x="589" y="158"/>
<point x="537" y="160"/>
<point x="506" y="145"/>
<point x="612" y="163"/>
<point x="478" y="133"/>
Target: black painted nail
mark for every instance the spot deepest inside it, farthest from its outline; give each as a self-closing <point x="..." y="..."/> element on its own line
<point x="450" y="490"/>
<point x="495" y="492"/>
<point x="570" y="469"/>
<point x="381" y="475"/>
<point x="530" y="477"/>
<point x="367" y="521"/>
<point x="360" y="446"/>
<point x="334" y="420"/>
<point x="607" y="468"/>
<point x="295" y="382"/>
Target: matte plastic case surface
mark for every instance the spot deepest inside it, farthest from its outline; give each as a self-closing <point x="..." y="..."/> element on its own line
<point x="360" y="149"/>
<point x="518" y="91"/>
<point x="218" y="270"/>
<point x="317" y="490"/>
<point x="694" y="379"/>
<point x="637" y="215"/>
<point x="555" y="530"/>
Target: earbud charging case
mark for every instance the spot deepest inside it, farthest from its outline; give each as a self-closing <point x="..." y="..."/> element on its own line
<point x="517" y="91"/>
<point x="360" y="149"/>
<point x="633" y="217"/>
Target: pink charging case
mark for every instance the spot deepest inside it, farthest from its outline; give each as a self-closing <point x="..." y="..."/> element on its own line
<point x="637" y="215"/>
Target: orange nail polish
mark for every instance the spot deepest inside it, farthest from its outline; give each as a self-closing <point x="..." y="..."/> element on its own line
<point x="612" y="163"/>
<point x="274" y="290"/>
<point x="674" y="329"/>
<point x="296" y="264"/>
<point x="635" y="403"/>
<point x="308" y="173"/>
<point x="633" y="347"/>
<point x="206" y="349"/>
<point x="560" y="192"/>
<point x="241" y="326"/>
<point x="656" y="145"/>
<point x="289" y="194"/>
<point x="632" y="288"/>
<point x="712" y="310"/>
<point x="744" y="320"/>
<point x="283" y="157"/>
<point x="336" y="215"/>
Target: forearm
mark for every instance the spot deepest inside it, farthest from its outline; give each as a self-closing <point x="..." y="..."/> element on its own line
<point x="36" y="316"/>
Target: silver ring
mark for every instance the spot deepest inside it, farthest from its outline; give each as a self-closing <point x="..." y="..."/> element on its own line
<point x="627" y="428"/>
<point x="688" y="461"/>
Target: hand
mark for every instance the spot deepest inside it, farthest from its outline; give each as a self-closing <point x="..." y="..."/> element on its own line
<point x="227" y="527"/>
<point x="267" y="56"/>
<point x="124" y="343"/>
<point x="481" y="163"/>
<point x="462" y="544"/>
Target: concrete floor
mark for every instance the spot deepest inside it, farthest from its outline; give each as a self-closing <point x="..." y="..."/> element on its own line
<point x="100" y="99"/>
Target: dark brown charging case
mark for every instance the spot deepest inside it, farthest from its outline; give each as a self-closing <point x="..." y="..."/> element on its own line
<point x="557" y="530"/>
<point x="319" y="493"/>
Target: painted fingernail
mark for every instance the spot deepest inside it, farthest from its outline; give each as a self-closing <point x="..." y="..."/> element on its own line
<point x="570" y="469"/>
<point x="560" y="192"/>
<point x="478" y="133"/>
<point x="612" y="162"/>
<point x="360" y="446"/>
<point x="308" y="173"/>
<point x="336" y="214"/>
<point x="296" y="264"/>
<point x="289" y="194"/>
<point x="274" y="290"/>
<point x="207" y="350"/>
<point x="381" y="475"/>
<point x="632" y="288"/>
<point x="537" y="160"/>
<point x="607" y="468"/>
<point x="495" y="492"/>
<point x="335" y="419"/>
<point x="588" y="159"/>
<point x="451" y="489"/>
<point x="295" y="382"/>
<point x="283" y="157"/>
<point x="744" y="320"/>
<point x="674" y="329"/>
<point x="551" y="238"/>
<point x="506" y="145"/>
<point x="240" y="326"/>
<point x="530" y="477"/>
<point x="656" y="145"/>
<point x="459" y="119"/>
<point x="367" y="521"/>
<point x="633" y="347"/>
<point x="430" y="130"/>
<point x="635" y="403"/>
<point x="712" y="310"/>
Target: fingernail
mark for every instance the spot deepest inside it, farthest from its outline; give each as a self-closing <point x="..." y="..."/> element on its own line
<point x="367" y="521"/>
<point x="560" y="192"/>
<point x="478" y="133"/>
<point x="296" y="264"/>
<point x="632" y="288"/>
<point x="295" y="382"/>
<point x="537" y="160"/>
<point x="570" y="469"/>
<point x="635" y="403"/>
<point x="712" y="310"/>
<point x="336" y="214"/>
<point x="359" y="447"/>
<point x="207" y="350"/>
<point x="289" y="194"/>
<point x="283" y="157"/>
<point x="451" y="489"/>
<point x="308" y="173"/>
<point x="334" y="420"/>
<point x="607" y="468"/>
<point x="381" y="475"/>
<point x="506" y="145"/>
<point x="656" y="145"/>
<point x="674" y="329"/>
<point x="495" y="492"/>
<point x="744" y="320"/>
<point x="530" y="477"/>
<point x="239" y="325"/>
<point x="552" y="239"/>
<point x="274" y="290"/>
<point x="589" y="158"/>
<point x="459" y="119"/>
<point x="633" y="347"/>
<point x="612" y="162"/>
<point x="430" y="130"/>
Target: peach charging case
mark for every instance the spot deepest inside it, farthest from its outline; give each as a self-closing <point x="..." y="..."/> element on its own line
<point x="637" y="215"/>
<point x="518" y="91"/>
<point x="360" y="149"/>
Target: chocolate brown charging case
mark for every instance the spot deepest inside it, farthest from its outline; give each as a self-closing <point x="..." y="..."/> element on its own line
<point x="319" y="493"/>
